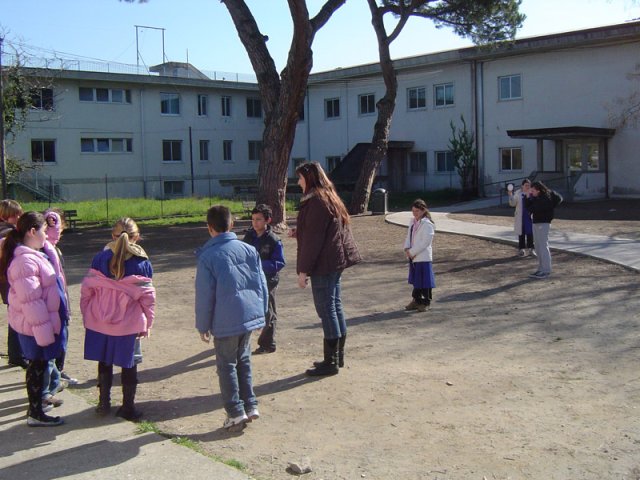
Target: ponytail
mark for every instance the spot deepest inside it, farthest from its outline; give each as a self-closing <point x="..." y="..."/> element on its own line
<point x="116" y="265"/>
<point x="124" y="231"/>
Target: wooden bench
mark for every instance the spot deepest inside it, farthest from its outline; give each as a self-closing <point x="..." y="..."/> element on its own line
<point x="247" y="206"/>
<point x="71" y="218"/>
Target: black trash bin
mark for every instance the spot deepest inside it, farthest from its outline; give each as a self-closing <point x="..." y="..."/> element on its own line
<point x="379" y="202"/>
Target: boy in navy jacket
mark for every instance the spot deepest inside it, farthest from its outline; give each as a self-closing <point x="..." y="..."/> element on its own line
<point x="271" y="253"/>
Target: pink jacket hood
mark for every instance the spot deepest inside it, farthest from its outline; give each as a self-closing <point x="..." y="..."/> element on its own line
<point x="34" y="299"/>
<point x="117" y="307"/>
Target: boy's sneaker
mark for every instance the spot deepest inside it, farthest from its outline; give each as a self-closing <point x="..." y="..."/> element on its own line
<point x="51" y="400"/>
<point x="521" y="252"/>
<point x="68" y="379"/>
<point x="235" y="424"/>
<point x="253" y="414"/>
<point x="44" y="421"/>
<point x="532" y="253"/>
<point x="423" y="308"/>
<point x="539" y="275"/>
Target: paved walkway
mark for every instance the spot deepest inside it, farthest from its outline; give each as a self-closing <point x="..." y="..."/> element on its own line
<point x="620" y="251"/>
<point x="88" y="447"/>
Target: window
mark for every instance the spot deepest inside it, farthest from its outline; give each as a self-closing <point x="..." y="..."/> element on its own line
<point x="331" y="108"/>
<point x="227" y="150"/>
<point x="255" y="150"/>
<point x="170" y="104"/>
<point x="254" y="108"/>
<point x="204" y="150"/>
<point x="86" y="94"/>
<point x="104" y="95"/>
<point x="202" y="105"/>
<point x="301" y="113"/>
<point x="510" y="159"/>
<point x="445" y="162"/>
<point x="332" y="162"/>
<point x="173" y="188"/>
<point x="225" y="106"/>
<point x="106" y="145"/>
<point x="443" y="95"/>
<point x="510" y="87"/>
<point x="42" y="98"/>
<point x="172" y="150"/>
<point x="43" y="151"/>
<point x="367" y="104"/>
<point x="416" y="98"/>
<point x="418" y="162"/>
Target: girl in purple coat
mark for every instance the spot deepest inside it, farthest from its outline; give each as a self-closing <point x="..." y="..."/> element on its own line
<point x="37" y="306"/>
<point x="117" y="301"/>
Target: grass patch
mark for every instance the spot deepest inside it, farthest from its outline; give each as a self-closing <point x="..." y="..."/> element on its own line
<point x="147" y="211"/>
<point x="146" y="427"/>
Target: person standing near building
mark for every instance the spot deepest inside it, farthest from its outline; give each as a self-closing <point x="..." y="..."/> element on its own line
<point x="37" y="306"/>
<point x="117" y="301"/>
<point x="271" y="253"/>
<point x="231" y="302"/>
<point x="10" y="212"/>
<point x="419" y="251"/>
<point x="522" y="225"/>
<point x="542" y="203"/>
<point x="325" y="249"/>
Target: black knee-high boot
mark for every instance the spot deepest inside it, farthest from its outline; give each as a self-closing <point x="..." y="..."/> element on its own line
<point x="329" y="366"/>
<point x="341" y="341"/>
<point x="35" y="380"/>
<point x="105" y="379"/>
<point x="128" y="409"/>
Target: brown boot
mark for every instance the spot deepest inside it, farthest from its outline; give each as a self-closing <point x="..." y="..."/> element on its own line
<point x="412" y="306"/>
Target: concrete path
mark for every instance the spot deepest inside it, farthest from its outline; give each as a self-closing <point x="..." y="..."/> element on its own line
<point x="620" y="251"/>
<point x="88" y="447"/>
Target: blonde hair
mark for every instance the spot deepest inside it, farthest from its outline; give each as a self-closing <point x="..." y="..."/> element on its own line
<point x="125" y="231"/>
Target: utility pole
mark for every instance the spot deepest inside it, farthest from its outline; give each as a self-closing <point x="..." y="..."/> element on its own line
<point x="3" y="165"/>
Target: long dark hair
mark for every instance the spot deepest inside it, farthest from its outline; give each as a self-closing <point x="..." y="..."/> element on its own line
<point x="26" y="222"/>
<point x="422" y="205"/>
<point x="317" y="182"/>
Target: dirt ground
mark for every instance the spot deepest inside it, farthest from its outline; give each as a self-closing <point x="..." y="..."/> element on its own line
<point x="504" y="378"/>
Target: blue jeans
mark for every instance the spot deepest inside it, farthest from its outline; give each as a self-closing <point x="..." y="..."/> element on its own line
<point x="51" y="381"/>
<point x="326" y="297"/>
<point x="233" y="362"/>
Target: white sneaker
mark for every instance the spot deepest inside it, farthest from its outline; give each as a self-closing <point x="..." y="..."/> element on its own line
<point x="235" y="424"/>
<point x="44" y="421"/>
<point x="532" y="253"/>
<point x="253" y="414"/>
<point x="521" y="252"/>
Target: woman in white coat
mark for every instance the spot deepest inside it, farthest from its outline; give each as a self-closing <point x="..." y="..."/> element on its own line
<point x="522" y="224"/>
<point x="418" y="250"/>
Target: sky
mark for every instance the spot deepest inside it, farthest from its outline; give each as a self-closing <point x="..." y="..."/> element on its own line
<point x="201" y="31"/>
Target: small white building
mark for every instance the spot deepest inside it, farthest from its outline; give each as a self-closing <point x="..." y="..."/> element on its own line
<point x="538" y="107"/>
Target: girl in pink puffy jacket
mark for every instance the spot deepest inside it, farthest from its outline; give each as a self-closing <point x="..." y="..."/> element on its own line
<point x="37" y="306"/>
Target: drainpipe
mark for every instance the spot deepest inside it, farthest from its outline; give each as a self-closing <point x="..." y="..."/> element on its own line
<point x="142" y="145"/>
<point x="477" y="105"/>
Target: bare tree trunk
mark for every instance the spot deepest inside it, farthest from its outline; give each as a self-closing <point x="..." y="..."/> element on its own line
<point x="387" y="104"/>
<point x="282" y="95"/>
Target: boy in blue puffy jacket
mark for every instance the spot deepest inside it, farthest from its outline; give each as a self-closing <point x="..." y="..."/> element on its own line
<point x="231" y="302"/>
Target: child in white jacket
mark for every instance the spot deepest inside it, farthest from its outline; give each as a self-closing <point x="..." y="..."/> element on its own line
<point x="418" y="250"/>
